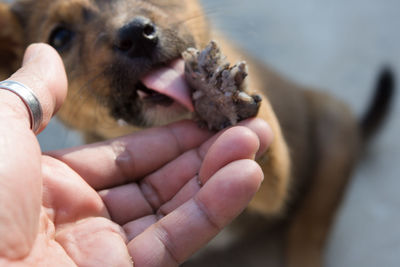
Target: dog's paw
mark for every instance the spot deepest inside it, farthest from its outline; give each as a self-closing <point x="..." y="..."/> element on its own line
<point x="218" y="89"/>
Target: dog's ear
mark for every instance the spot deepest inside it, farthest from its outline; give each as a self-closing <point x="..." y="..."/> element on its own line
<point x="11" y="41"/>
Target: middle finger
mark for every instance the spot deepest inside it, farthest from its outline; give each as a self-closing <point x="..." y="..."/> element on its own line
<point x="177" y="181"/>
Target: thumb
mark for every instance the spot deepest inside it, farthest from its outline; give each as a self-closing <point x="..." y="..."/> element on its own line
<point x="20" y="156"/>
<point x="43" y="71"/>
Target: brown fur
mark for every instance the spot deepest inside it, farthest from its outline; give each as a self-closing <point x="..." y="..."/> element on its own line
<point x="316" y="139"/>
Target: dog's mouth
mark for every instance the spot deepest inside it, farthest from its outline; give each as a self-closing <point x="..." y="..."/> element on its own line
<point x="165" y="85"/>
<point x="152" y="97"/>
<point x="159" y="96"/>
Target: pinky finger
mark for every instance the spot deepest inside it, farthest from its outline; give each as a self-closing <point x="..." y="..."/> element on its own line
<point x="173" y="239"/>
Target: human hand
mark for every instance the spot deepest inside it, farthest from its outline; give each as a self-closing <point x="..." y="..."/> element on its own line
<point x="154" y="197"/>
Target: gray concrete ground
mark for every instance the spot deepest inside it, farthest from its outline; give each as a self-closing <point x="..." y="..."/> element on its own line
<point x="338" y="46"/>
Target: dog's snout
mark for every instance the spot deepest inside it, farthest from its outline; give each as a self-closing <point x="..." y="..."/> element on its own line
<point x="138" y="38"/>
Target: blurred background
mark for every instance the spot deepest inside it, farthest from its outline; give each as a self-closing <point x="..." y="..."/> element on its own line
<point x="338" y="46"/>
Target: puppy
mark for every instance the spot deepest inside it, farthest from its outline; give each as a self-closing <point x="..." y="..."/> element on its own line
<point x="117" y="56"/>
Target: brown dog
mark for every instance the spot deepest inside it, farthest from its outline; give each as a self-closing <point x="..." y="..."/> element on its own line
<point x="115" y="51"/>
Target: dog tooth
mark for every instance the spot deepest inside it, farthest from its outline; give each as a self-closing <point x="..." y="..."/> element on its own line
<point x="142" y="94"/>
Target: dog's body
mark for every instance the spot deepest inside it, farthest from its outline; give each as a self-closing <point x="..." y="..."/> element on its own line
<point x="110" y="47"/>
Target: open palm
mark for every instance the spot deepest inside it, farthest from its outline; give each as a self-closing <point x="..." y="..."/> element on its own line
<point x="152" y="198"/>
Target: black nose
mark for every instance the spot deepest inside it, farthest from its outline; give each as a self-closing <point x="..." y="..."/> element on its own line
<point x="138" y="38"/>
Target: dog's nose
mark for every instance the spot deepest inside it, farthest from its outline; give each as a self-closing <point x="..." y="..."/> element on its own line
<point x="138" y="38"/>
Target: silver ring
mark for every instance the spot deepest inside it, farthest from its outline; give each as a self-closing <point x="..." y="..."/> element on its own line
<point x="30" y="100"/>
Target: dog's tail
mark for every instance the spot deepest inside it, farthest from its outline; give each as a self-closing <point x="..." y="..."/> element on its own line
<point x="380" y="105"/>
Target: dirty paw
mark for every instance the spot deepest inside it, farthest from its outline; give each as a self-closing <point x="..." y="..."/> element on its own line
<point x="219" y="90"/>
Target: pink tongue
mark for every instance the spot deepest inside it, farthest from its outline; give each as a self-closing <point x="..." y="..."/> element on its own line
<point x="170" y="81"/>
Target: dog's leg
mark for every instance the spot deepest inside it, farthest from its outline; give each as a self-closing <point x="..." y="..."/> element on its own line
<point x="337" y="141"/>
<point x="276" y="164"/>
<point x="271" y="197"/>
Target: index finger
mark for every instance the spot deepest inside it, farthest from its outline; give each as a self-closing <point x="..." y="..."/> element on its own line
<point x="115" y="162"/>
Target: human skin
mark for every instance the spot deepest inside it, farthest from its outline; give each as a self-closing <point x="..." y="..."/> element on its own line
<point x="152" y="198"/>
